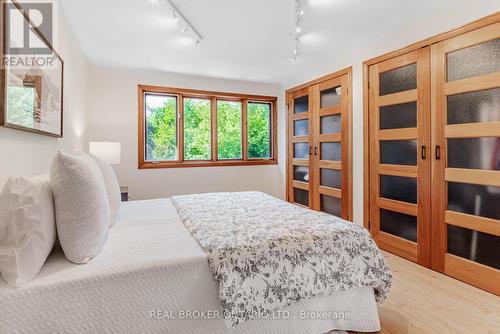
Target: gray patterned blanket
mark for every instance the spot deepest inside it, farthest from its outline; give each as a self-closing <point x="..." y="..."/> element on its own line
<point x="266" y="253"/>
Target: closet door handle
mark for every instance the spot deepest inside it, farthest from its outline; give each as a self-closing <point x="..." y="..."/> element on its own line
<point x="438" y="152"/>
<point x="310" y="150"/>
<point x="315" y="150"/>
<point x="423" y="152"/>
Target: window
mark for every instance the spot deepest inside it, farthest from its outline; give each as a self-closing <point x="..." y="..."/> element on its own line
<point x="188" y="128"/>
<point x="160" y="113"/>
<point x="197" y="129"/>
<point x="259" y="130"/>
<point x="229" y="130"/>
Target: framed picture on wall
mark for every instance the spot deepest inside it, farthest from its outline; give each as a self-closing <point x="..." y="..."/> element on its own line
<point x="31" y="78"/>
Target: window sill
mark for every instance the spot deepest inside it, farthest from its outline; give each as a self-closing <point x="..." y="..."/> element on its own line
<point x="220" y="163"/>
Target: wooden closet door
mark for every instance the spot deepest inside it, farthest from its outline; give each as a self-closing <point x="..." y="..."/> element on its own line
<point x="330" y="103"/>
<point x="399" y="155"/>
<point x="466" y="167"/>
<point x="300" y="147"/>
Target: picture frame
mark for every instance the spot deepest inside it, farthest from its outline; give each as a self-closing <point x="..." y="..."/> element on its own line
<point x="31" y="96"/>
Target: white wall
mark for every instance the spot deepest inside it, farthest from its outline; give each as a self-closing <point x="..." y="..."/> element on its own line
<point x="26" y="154"/>
<point x="114" y="117"/>
<point x="448" y="16"/>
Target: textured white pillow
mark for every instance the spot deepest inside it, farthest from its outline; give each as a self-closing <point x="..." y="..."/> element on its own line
<point x="111" y="184"/>
<point x="27" y="228"/>
<point x="81" y="206"/>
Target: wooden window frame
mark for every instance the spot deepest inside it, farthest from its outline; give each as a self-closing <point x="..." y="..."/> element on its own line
<point x="181" y="93"/>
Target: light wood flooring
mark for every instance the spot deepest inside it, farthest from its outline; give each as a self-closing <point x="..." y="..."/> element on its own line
<point x="424" y="301"/>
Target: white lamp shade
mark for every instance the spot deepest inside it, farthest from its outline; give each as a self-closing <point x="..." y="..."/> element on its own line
<point x="108" y="151"/>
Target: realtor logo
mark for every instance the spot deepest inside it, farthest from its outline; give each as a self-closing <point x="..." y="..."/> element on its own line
<point x="29" y="34"/>
<point x="22" y="35"/>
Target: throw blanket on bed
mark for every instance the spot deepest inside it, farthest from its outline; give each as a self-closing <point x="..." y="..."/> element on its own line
<point x="266" y="253"/>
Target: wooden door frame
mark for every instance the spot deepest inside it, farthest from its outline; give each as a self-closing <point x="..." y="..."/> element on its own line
<point x="346" y="71"/>
<point x="485" y="21"/>
<point x="417" y="251"/>
<point x="465" y="269"/>
<point x="289" y="98"/>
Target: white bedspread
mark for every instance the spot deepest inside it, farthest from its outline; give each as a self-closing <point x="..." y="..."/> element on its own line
<point x="149" y="269"/>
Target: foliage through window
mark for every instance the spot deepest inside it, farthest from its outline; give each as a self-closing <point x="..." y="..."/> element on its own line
<point x="259" y="130"/>
<point x="194" y="128"/>
<point x="229" y="130"/>
<point x="161" y="127"/>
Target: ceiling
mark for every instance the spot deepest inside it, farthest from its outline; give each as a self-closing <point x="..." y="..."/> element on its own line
<point x="247" y="40"/>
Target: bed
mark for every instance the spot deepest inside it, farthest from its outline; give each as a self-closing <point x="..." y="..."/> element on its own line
<point x="152" y="276"/>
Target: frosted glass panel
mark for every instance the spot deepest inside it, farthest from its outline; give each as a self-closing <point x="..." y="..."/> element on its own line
<point x="399" y="116"/>
<point x="331" y="151"/>
<point x="330" y="97"/>
<point x="331" y="178"/>
<point x="331" y="205"/>
<point x="331" y="124"/>
<point x="474" y="61"/>
<point x="301" y="151"/>
<point x="301" y="173"/>
<point x="399" y="188"/>
<point x="398" y="80"/>
<point x="398" y="152"/>
<point x="475" y="246"/>
<point x="482" y="106"/>
<point x="301" y="196"/>
<point x="475" y="153"/>
<point x="301" y="128"/>
<point x="301" y="104"/>
<point x="398" y="224"/>
<point x="474" y="199"/>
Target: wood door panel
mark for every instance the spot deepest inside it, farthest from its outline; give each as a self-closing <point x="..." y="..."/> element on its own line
<point x="473" y="273"/>
<point x="468" y="260"/>
<point x="399" y="246"/>
<point x="329" y="101"/>
<point x="457" y="211"/>
<point x="419" y="251"/>
<point x="397" y="98"/>
<point x="293" y="185"/>
<point x="342" y="137"/>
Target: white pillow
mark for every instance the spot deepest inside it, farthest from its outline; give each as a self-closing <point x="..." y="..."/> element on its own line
<point x="27" y="228"/>
<point x="81" y="206"/>
<point x="112" y="186"/>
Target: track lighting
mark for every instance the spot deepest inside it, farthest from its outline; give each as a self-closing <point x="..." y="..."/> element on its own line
<point x="298" y="13"/>
<point x="182" y="22"/>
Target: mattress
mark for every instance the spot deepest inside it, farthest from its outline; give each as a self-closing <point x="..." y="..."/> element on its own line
<point x="153" y="277"/>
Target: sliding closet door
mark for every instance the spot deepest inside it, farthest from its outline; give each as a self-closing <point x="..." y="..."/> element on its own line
<point x="466" y="169"/>
<point x="331" y="137"/>
<point x="319" y="144"/>
<point x="399" y="155"/>
<point x="300" y="148"/>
